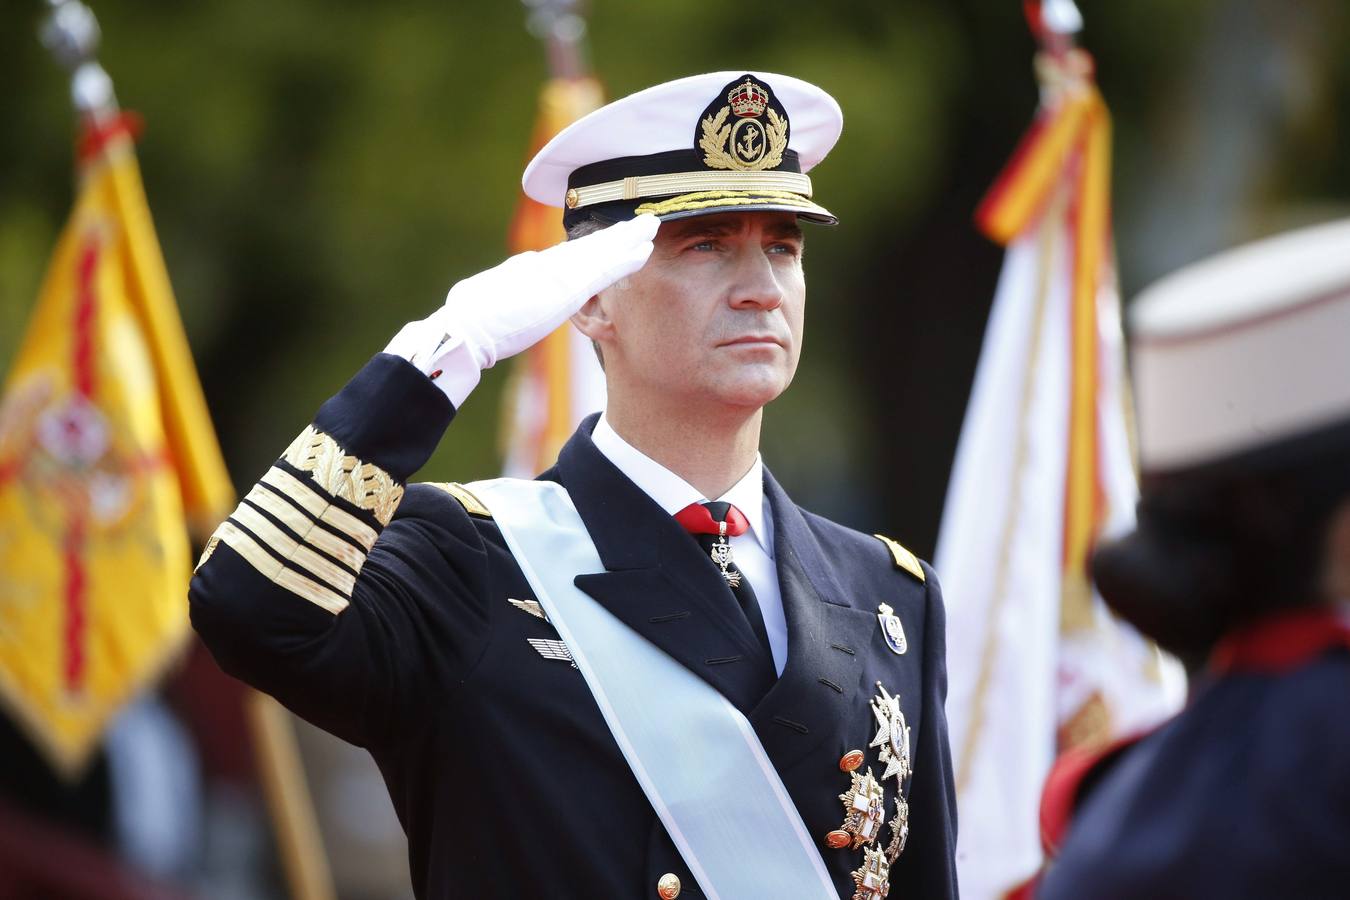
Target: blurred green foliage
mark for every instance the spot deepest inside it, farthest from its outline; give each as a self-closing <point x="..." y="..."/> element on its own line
<point x="322" y="172"/>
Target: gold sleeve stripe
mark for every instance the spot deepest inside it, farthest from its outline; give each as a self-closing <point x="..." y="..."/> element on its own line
<point x="304" y="526"/>
<point x="206" y="553"/>
<point x="342" y="581"/>
<point x="278" y="573"/>
<point x="335" y="471"/>
<point x="306" y="498"/>
<point x="903" y="558"/>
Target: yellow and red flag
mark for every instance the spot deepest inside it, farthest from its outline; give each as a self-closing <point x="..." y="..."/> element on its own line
<point x="106" y="450"/>
<point x="558" y="381"/>
<point x="1044" y="469"/>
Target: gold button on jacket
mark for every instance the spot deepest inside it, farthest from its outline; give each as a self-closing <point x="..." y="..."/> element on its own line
<point x="668" y="888"/>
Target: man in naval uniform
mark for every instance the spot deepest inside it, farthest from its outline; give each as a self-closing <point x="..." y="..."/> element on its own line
<point x="700" y="689"/>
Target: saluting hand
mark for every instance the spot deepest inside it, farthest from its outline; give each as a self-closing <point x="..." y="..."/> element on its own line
<point x="500" y="312"/>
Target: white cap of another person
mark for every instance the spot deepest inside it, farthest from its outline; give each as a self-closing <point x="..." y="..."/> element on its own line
<point x="715" y="143"/>
<point x="1246" y="354"/>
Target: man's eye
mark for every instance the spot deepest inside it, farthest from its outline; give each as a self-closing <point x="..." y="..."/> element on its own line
<point x="703" y="245"/>
<point x="786" y="249"/>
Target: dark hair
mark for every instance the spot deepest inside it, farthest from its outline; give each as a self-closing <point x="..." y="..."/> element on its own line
<point x="583" y="228"/>
<point x="580" y="230"/>
<point x="1222" y="545"/>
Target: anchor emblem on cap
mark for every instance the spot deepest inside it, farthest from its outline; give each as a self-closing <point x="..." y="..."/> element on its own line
<point x="754" y="140"/>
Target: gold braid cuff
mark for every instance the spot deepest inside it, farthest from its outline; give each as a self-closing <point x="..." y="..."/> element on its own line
<point x="340" y="475"/>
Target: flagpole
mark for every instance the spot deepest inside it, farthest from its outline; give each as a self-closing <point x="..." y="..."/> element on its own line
<point x="1056" y="23"/>
<point x="562" y="28"/>
<point x="558" y="381"/>
<point x="71" y="34"/>
<point x="1042" y="468"/>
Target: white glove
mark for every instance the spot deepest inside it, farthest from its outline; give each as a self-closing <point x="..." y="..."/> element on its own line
<point x="500" y="312"/>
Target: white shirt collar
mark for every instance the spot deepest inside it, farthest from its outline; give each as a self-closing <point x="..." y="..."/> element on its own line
<point x="672" y="493"/>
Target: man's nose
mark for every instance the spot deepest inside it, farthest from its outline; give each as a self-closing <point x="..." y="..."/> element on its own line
<point x="756" y="283"/>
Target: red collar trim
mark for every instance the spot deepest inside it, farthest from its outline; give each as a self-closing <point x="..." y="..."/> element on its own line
<point x="1063" y="785"/>
<point x="1282" y="642"/>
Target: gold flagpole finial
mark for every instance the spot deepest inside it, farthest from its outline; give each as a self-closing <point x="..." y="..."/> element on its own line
<point x="1061" y="17"/>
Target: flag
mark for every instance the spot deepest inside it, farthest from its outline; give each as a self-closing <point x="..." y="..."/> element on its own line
<point x="1043" y="470"/>
<point x="558" y="381"/>
<point x="106" y="450"/>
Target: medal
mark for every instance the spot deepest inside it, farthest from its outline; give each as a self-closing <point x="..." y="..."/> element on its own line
<point x="892" y="736"/>
<point x="864" y="810"/>
<point x="899" y="831"/>
<point x="873" y="877"/>
<point x="892" y="630"/>
<point x="721" y="554"/>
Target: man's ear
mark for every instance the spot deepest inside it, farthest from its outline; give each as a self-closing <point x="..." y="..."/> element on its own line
<point x="593" y="320"/>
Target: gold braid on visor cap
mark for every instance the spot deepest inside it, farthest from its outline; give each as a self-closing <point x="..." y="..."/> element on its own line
<point x="721" y="199"/>
<point x="639" y="186"/>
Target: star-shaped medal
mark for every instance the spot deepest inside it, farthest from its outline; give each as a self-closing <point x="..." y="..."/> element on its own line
<point x="892" y="735"/>
<point x="899" y="831"/>
<point x="873" y="877"/>
<point x="864" y="809"/>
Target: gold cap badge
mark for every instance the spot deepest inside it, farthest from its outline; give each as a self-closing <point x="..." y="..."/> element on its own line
<point x="748" y="134"/>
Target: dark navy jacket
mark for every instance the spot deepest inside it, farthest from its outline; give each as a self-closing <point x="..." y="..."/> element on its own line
<point x="499" y="763"/>
<point x="1245" y="794"/>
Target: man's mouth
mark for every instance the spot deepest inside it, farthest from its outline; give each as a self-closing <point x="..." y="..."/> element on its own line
<point x="752" y="339"/>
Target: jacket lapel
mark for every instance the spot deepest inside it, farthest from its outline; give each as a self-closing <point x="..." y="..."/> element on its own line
<point x="826" y="643"/>
<point x="658" y="581"/>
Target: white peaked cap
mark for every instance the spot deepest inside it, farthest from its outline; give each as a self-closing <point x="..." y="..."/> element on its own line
<point x="1244" y="350"/>
<point x="646" y="146"/>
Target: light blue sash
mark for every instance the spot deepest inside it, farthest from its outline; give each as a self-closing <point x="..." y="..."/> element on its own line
<point x="696" y="757"/>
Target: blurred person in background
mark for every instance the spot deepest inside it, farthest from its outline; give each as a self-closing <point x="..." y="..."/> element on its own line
<point x="772" y="682"/>
<point x="1240" y="565"/>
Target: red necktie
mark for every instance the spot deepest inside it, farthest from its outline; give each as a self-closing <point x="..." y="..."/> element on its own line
<point x="697" y="518"/>
<point x="705" y="521"/>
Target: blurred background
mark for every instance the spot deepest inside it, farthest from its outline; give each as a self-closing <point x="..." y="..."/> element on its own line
<point x="320" y="173"/>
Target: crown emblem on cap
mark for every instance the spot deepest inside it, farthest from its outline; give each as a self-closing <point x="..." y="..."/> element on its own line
<point x="746" y="135"/>
<point x="748" y="99"/>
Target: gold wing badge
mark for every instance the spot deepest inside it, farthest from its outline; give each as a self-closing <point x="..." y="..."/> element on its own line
<point x="531" y="607"/>
<point x="548" y="648"/>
